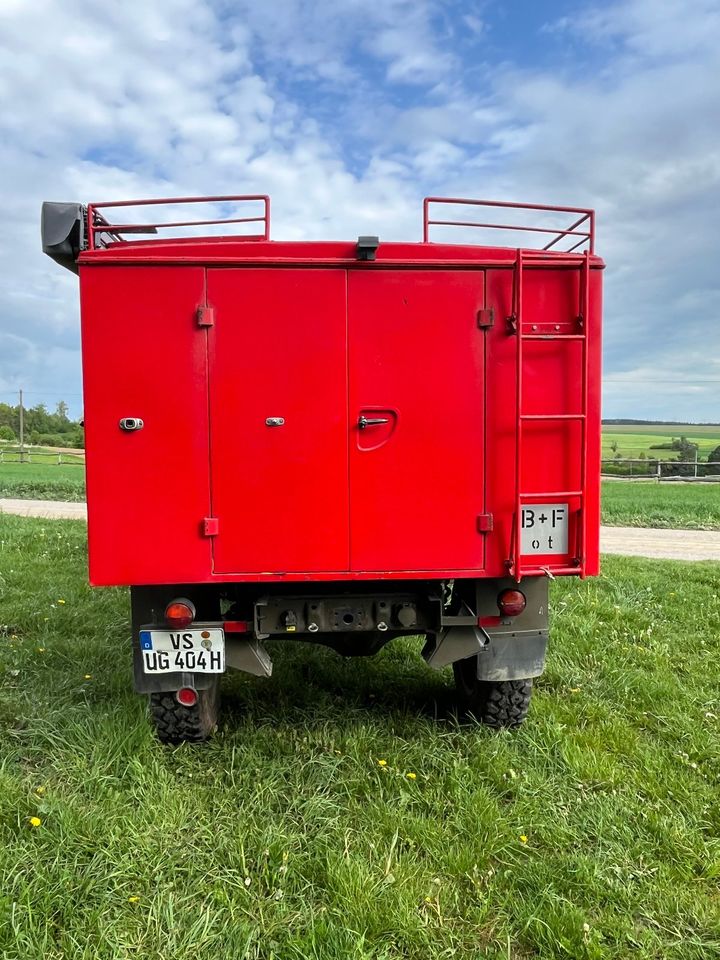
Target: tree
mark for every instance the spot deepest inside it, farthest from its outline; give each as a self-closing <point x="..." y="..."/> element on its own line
<point x="7" y="433"/>
<point x="714" y="459"/>
<point x="614" y="446"/>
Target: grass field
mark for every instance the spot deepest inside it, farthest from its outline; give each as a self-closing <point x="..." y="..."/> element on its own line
<point x="634" y="439"/>
<point x="684" y="506"/>
<point x="42" y="481"/>
<point x="633" y="504"/>
<point x="593" y="832"/>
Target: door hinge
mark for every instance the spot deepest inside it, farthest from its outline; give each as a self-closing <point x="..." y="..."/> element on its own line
<point x="486" y="317"/>
<point x="205" y="316"/>
<point x="211" y="526"/>
<point x="485" y="523"/>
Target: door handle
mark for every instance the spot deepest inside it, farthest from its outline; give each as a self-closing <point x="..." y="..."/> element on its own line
<point x="129" y="424"/>
<point x="364" y="421"/>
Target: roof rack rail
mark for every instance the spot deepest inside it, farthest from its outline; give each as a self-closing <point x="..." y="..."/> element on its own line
<point x="101" y="231"/>
<point x="582" y="228"/>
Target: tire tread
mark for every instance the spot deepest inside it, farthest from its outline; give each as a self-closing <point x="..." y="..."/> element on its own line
<point x="496" y="703"/>
<point x="175" y="723"/>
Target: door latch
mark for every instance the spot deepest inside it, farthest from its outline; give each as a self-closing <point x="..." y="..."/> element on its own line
<point x="131" y="423"/>
<point x="364" y="421"/>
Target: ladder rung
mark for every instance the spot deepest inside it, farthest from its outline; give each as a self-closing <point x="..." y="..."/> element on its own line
<point x="553" y="336"/>
<point x="552" y="416"/>
<point x="518" y="564"/>
<point x="560" y="571"/>
<point x="554" y="493"/>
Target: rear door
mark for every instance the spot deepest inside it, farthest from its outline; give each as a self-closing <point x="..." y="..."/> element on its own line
<point x="145" y="357"/>
<point x="416" y="361"/>
<point x="278" y="414"/>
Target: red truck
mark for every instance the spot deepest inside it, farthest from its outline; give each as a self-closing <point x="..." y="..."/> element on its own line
<point x="337" y="442"/>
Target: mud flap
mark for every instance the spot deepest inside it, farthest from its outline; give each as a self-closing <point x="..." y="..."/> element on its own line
<point x="518" y="656"/>
<point x="457" y="643"/>
<point x="250" y="656"/>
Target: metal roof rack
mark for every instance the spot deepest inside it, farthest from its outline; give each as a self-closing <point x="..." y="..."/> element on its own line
<point x="101" y="231"/>
<point x="582" y="228"/>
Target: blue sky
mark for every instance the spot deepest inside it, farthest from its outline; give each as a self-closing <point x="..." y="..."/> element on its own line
<point x="348" y="113"/>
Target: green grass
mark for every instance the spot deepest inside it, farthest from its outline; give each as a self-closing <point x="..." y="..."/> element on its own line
<point x="285" y="839"/>
<point x="42" y="481"/>
<point x="678" y="505"/>
<point x="634" y="439"/>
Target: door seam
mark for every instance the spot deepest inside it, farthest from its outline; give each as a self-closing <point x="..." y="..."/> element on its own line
<point x="209" y="427"/>
<point x="348" y="430"/>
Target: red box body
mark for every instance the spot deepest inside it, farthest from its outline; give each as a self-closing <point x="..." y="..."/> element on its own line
<point x="483" y="364"/>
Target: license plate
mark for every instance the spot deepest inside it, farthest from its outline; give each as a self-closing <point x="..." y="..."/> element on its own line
<point x="544" y="528"/>
<point x="185" y="651"/>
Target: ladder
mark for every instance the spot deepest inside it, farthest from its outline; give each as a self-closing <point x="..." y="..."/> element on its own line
<point x="517" y="567"/>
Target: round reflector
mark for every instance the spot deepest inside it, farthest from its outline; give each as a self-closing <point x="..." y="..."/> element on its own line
<point x="186" y="696"/>
<point x="180" y="613"/>
<point x="511" y="603"/>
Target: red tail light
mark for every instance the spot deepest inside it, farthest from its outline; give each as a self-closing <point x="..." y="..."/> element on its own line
<point x="511" y="603"/>
<point x="180" y="613"/>
<point x="186" y="696"/>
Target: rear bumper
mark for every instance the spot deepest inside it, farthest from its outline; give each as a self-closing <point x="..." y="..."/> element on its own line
<point x="508" y="648"/>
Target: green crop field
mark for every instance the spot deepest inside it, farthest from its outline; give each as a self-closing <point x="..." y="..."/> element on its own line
<point x="689" y="506"/>
<point x="42" y="481"/>
<point x="593" y="832"/>
<point x="634" y="439"/>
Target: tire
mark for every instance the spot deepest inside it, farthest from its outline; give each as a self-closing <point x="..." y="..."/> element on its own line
<point x="175" y="723"/>
<point x="496" y="703"/>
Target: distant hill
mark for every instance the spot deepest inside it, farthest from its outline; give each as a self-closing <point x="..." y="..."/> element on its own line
<point x="664" y="423"/>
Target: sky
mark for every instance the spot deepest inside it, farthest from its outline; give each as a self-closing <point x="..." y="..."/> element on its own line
<point x="347" y="113"/>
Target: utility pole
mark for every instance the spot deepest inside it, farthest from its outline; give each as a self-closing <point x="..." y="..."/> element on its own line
<point x="22" y="432"/>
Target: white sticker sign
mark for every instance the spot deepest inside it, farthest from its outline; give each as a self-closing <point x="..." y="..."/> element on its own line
<point x="544" y="528"/>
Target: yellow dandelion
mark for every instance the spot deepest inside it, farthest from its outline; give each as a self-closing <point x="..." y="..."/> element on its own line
<point x="41" y="649"/>
<point x="382" y="763"/>
<point x="61" y="601"/>
<point x="88" y="676"/>
<point x="39" y="791"/>
<point x="133" y="899"/>
<point x="411" y="776"/>
<point x="34" y="821"/>
<point x="428" y="899"/>
<point x="523" y="838"/>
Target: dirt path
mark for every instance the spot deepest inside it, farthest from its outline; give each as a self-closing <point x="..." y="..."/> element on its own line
<point x="629" y="541"/>
<point x="668" y="544"/>
<point x="49" y="509"/>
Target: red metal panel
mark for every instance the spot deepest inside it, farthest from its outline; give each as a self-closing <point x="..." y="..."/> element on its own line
<point x="552" y="385"/>
<point x="417" y="362"/>
<point x="145" y="356"/>
<point x="289" y="497"/>
<point x="278" y="350"/>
